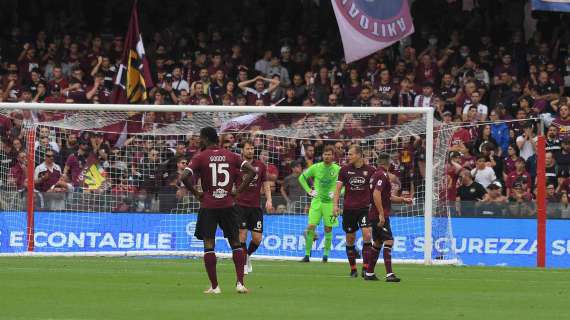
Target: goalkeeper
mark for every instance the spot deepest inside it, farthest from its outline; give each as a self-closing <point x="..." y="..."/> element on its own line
<point x="324" y="175"/>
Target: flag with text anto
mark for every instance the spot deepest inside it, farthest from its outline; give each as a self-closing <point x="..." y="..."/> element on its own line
<point x="367" y="26"/>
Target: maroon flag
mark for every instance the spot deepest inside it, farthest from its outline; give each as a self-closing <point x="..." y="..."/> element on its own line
<point x="133" y="77"/>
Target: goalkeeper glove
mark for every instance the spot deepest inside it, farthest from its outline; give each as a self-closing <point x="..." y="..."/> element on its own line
<point x="313" y="193"/>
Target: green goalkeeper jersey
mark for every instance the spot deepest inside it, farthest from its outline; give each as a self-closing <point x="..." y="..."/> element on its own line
<point x="324" y="180"/>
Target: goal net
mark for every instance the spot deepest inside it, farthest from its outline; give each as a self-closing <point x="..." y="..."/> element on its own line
<point x="108" y="182"/>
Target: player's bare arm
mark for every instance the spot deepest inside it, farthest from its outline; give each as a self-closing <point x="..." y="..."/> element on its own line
<point x="187" y="181"/>
<point x="377" y="197"/>
<point x="397" y="199"/>
<point x="268" y="200"/>
<point x="249" y="171"/>
<point x="336" y="197"/>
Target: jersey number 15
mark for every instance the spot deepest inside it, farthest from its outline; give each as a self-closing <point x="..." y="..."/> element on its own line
<point x="220" y="169"/>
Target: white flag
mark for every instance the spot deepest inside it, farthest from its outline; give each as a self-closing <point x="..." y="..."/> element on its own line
<point x="367" y="26"/>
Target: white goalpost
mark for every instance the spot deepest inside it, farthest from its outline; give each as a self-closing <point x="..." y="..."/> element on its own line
<point x="120" y="196"/>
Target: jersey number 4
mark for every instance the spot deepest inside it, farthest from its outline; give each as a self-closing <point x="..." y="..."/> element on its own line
<point x="218" y="169"/>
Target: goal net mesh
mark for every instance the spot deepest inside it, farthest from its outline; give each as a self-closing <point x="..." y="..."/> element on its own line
<point x="109" y="182"/>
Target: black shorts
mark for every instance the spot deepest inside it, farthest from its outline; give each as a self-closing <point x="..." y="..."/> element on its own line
<point x="352" y="219"/>
<point x="382" y="234"/>
<point x="210" y="219"/>
<point x="250" y="218"/>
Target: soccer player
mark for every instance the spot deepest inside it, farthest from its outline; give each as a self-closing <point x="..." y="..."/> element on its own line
<point x="217" y="169"/>
<point x="354" y="177"/>
<point x="324" y="176"/>
<point x="379" y="217"/>
<point x="248" y="205"/>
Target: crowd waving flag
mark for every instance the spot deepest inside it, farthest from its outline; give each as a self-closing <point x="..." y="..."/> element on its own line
<point x="367" y="26"/>
<point x="133" y="77"/>
<point x="551" y="5"/>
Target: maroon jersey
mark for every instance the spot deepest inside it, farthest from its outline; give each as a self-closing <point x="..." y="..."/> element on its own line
<point x="253" y="95"/>
<point x="75" y="163"/>
<point x="563" y="127"/>
<point x="468" y="161"/>
<point x="18" y="173"/>
<point x="515" y="176"/>
<point x="53" y="174"/>
<point x="356" y="183"/>
<point x="218" y="169"/>
<point x="565" y="187"/>
<point x="381" y="182"/>
<point x="452" y="177"/>
<point x="251" y="196"/>
<point x="462" y="135"/>
<point x="509" y="165"/>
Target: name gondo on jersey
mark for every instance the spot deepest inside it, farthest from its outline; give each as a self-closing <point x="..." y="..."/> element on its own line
<point x="217" y="158"/>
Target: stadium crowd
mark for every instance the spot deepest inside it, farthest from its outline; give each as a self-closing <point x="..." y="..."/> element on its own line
<point x="477" y="68"/>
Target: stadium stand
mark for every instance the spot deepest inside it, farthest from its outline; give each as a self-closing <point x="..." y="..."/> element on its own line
<point x="477" y="68"/>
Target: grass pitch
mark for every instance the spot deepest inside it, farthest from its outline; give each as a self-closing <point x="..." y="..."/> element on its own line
<point x="129" y="288"/>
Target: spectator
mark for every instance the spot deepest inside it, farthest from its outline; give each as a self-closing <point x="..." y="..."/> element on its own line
<point x="551" y="169"/>
<point x="262" y="65"/>
<point x="482" y="110"/>
<point x="58" y="79"/>
<point x="518" y="177"/>
<point x="426" y="98"/>
<point x="219" y="86"/>
<point x="520" y="200"/>
<point x="460" y="139"/>
<point x="178" y="83"/>
<point x="495" y="161"/>
<point x="562" y="158"/>
<point x="506" y="66"/>
<point x="527" y="142"/>
<point x="19" y="172"/>
<point x="545" y="90"/>
<point x="76" y="163"/>
<point x="552" y="142"/>
<point x="49" y="182"/>
<point x="170" y="195"/>
<point x="494" y="202"/>
<point x="260" y="92"/>
<point x="291" y="189"/>
<point x="386" y="88"/>
<point x="353" y="87"/>
<point x="308" y="156"/>
<point x="453" y="170"/>
<point x="562" y="122"/>
<point x="484" y="138"/>
<point x="363" y="98"/>
<point x="150" y="172"/>
<point x="469" y="194"/>
<point x="405" y="96"/>
<point x="499" y="132"/>
<point x="124" y="193"/>
<point x="275" y="68"/>
<point x="483" y="174"/>
<point x="511" y="158"/>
